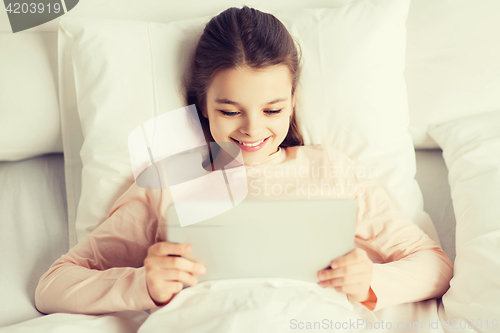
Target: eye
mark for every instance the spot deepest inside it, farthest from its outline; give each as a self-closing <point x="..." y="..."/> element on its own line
<point x="228" y="113"/>
<point x="273" y="111"/>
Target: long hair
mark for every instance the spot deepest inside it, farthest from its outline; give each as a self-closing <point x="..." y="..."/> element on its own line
<point x="240" y="37"/>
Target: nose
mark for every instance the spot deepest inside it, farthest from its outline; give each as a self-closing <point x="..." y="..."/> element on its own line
<point x="252" y="125"/>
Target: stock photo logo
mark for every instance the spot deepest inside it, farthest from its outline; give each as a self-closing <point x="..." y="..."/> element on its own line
<point x="204" y="179"/>
<point x="28" y="14"/>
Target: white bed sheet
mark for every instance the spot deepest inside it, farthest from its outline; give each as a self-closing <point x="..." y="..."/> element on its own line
<point x="432" y="177"/>
<point x="123" y="322"/>
<point x="34" y="234"/>
<point x="33" y="230"/>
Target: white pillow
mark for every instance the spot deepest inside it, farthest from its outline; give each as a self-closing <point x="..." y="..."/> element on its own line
<point x="352" y="95"/>
<point x="29" y="112"/>
<point x="452" y="62"/>
<point x="471" y="150"/>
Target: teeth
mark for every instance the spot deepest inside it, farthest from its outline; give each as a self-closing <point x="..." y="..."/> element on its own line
<point x="251" y="144"/>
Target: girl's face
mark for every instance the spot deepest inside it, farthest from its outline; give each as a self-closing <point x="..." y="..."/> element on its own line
<point x="251" y="108"/>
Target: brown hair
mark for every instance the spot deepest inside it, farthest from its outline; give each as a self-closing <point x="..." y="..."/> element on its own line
<point x="240" y="37"/>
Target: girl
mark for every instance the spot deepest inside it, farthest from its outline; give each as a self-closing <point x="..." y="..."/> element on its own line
<point x="242" y="81"/>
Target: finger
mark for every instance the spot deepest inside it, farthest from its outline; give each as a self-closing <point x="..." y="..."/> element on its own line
<point x="355" y="256"/>
<point x="344" y="280"/>
<point x="160" y="288"/>
<point x="174" y="287"/>
<point x="166" y="248"/>
<point x="178" y="275"/>
<point x="181" y="263"/>
<point x="161" y="261"/>
<point x="352" y="269"/>
<point x="353" y="289"/>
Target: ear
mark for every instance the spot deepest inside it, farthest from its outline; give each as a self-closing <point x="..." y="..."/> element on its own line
<point x="204" y="112"/>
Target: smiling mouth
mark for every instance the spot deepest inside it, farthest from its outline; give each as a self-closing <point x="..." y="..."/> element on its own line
<point x="250" y="144"/>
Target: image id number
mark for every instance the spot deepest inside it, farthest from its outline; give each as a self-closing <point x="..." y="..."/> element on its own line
<point x="24" y="8"/>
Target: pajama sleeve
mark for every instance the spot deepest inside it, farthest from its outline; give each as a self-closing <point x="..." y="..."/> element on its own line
<point x="413" y="267"/>
<point x="104" y="272"/>
<point x="408" y="266"/>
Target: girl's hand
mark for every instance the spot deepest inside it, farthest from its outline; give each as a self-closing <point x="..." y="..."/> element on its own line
<point x="350" y="274"/>
<point x="165" y="274"/>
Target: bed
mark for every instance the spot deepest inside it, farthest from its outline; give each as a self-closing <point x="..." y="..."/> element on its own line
<point x="447" y="140"/>
<point x="35" y="215"/>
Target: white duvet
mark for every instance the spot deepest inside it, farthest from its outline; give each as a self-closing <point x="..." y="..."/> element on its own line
<point x="280" y="305"/>
<point x="250" y="305"/>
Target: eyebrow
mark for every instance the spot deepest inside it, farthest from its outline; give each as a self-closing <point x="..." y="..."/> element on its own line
<point x="227" y="101"/>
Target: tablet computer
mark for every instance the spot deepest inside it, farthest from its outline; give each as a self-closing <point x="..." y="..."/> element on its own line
<point x="291" y="239"/>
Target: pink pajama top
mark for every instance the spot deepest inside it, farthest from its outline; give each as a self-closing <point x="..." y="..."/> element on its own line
<point x="105" y="273"/>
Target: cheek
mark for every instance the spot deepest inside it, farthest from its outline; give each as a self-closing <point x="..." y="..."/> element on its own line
<point x="280" y="126"/>
<point x="285" y="121"/>
<point x="286" y="124"/>
<point x="219" y="128"/>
